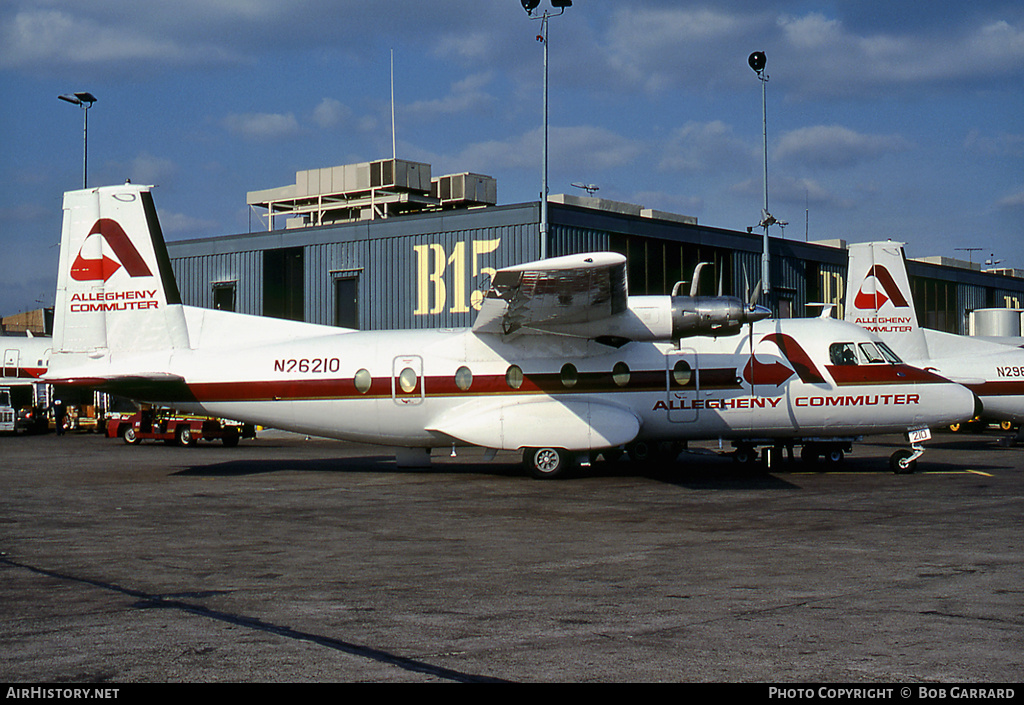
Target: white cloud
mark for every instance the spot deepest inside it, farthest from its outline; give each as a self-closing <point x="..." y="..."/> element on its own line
<point x="793" y="192"/>
<point x="465" y="96"/>
<point x="655" y="48"/>
<point x="262" y="126"/>
<point x="571" y="149"/>
<point x="824" y="56"/>
<point x="835" y="146"/>
<point x="331" y="113"/>
<point x="34" y="37"/>
<point x="1014" y="201"/>
<point x="704" y="147"/>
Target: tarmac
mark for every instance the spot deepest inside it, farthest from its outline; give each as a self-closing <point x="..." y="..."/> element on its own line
<point x="293" y="560"/>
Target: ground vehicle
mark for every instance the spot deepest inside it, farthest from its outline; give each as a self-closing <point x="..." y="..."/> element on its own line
<point x="171" y="427"/>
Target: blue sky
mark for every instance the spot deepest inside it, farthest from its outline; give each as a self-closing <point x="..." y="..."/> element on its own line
<point x="885" y="119"/>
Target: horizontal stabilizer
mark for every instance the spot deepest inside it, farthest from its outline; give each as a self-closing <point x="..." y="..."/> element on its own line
<point x="573" y="425"/>
<point x="155" y="387"/>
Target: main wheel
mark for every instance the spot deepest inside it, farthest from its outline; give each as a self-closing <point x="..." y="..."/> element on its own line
<point x="131" y="437"/>
<point x="900" y="462"/>
<point x="810" y="454"/>
<point x="745" y="455"/>
<point x="230" y="437"/>
<point x="547" y="463"/>
<point x="833" y="455"/>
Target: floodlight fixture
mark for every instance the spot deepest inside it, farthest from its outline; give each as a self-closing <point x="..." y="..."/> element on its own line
<point x="757" y="61"/>
<point x="530" y="5"/>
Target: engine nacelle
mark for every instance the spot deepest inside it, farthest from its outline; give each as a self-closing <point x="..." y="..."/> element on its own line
<point x="712" y="315"/>
<point x="667" y="319"/>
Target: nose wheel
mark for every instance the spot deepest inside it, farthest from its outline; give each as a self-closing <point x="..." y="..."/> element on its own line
<point x="904" y="461"/>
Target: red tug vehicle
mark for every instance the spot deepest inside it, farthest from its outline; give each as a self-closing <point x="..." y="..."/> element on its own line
<point x="171" y="427"/>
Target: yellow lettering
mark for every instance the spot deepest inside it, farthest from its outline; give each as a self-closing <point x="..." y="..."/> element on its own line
<point x="432" y="263"/>
<point x="482" y="247"/>
<point x="458" y="262"/>
<point x="425" y="277"/>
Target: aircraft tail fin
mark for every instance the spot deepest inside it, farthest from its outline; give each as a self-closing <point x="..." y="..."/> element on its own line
<point x="116" y="292"/>
<point x="878" y="297"/>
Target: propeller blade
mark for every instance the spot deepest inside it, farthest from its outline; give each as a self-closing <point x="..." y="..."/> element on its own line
<point x="756" y="295"/>
<point x="695" y="284"/>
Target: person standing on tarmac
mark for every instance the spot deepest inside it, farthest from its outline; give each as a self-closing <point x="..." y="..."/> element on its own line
<point x="59" y="412"/>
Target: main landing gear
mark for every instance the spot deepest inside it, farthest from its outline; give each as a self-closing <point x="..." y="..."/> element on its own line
<point x="548" y="463"/>
<point x="830" y="451"/>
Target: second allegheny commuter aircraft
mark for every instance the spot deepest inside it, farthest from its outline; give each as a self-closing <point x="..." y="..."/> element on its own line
<point x="559" y="362"/>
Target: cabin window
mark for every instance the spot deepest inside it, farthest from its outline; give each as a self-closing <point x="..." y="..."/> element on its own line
<point x="569" y="375"/>
<point x="407" y="379"/>
<point x="363" y="381"/>
<point x="682" y="373"/>
<point x="842" y="354"/>
<point x="514" y="377"/>
<point x="871" y="353"/>
<point x="620" y="374"/>
<point x="463" y="378"/>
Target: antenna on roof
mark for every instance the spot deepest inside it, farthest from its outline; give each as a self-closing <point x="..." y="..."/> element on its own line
<point x="394" y="153"/>
<point x="589" y="188"/>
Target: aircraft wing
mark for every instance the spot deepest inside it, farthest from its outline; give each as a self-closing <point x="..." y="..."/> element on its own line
<point x="554" y="292"/>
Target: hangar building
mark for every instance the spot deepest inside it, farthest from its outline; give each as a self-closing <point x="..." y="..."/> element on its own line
<point x="384" y="245"/>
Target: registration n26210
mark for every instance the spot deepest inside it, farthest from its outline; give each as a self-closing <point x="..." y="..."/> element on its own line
<point x="308" y="365"/>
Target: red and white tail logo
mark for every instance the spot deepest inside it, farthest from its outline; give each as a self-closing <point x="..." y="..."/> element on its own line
<point x="874" y="298"/>
<point x="104" y="267"/>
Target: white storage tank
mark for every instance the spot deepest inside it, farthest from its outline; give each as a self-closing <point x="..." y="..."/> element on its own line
<point x="996" y="322"/>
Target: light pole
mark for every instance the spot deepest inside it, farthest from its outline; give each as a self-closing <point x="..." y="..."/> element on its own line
<point x="530" y="6"/>
<point x="757" y="62"/>
<point x="85" y="100"/>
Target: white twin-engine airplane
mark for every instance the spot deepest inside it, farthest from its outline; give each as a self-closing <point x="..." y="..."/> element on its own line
<point x="879" y="298"/>
<point x="559" y="361"/>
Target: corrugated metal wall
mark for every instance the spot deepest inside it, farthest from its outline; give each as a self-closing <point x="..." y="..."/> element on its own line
<point x="197" y="274"/>
<point x="421" y="271"/>
<point x="413" y="272"/>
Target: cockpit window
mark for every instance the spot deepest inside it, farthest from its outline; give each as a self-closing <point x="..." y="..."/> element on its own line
<point x="843" y="354"/>
<point x="889" y="354"/>
<point x="871" y="353"/>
